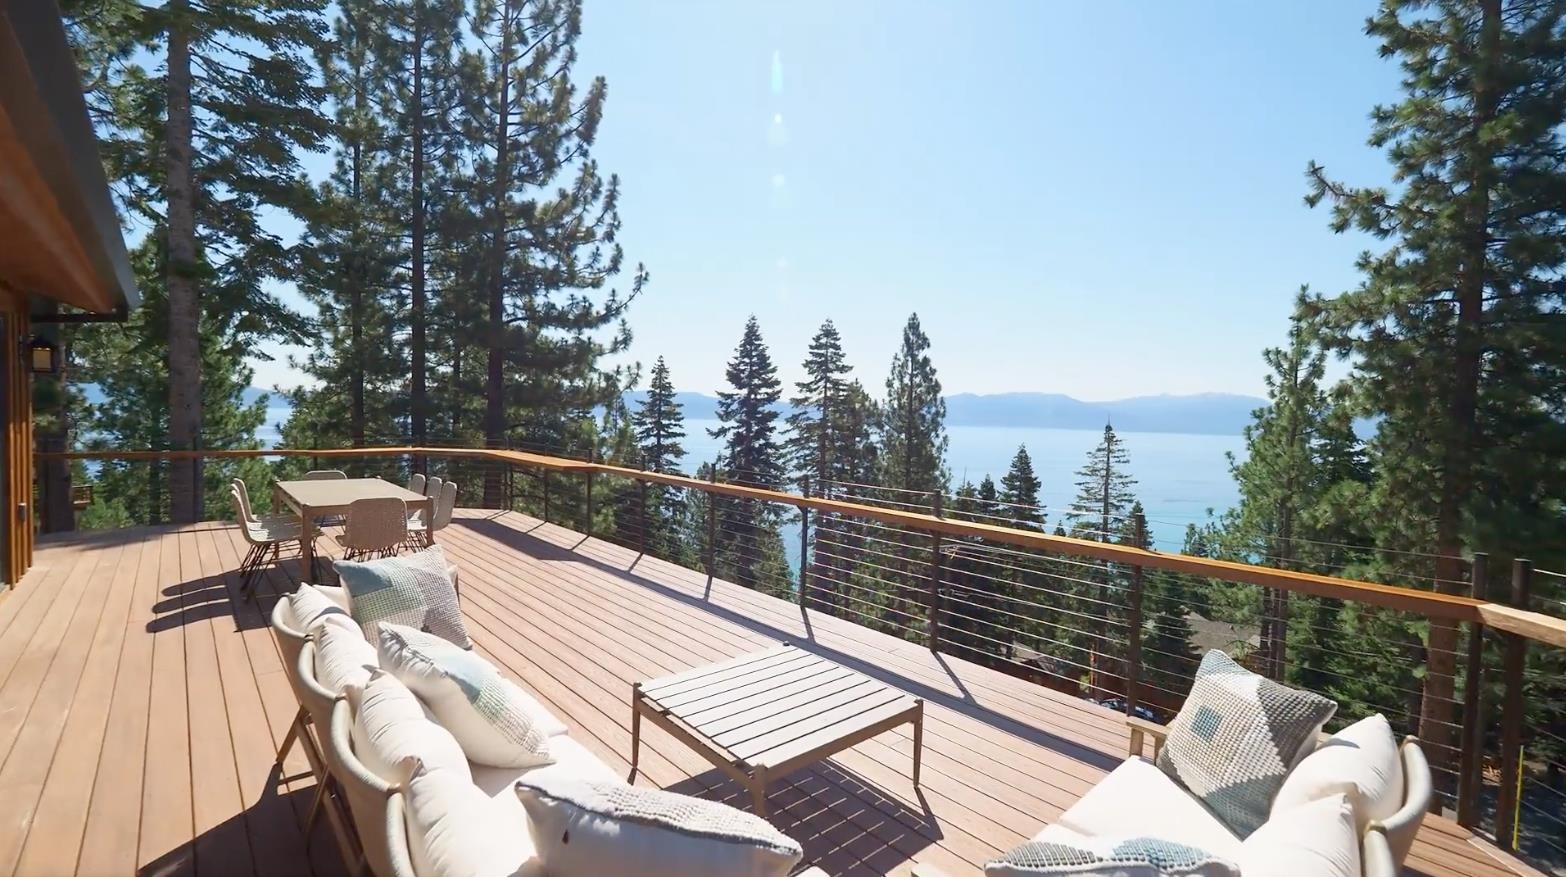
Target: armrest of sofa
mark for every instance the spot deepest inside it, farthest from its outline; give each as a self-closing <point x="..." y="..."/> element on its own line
<point x="1418" y="788"/>
<point x="1376" y="854"/>
<point x="1142" y="728"/>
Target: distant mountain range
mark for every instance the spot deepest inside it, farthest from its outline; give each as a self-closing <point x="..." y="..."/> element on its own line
<point x="1202" y="414"/>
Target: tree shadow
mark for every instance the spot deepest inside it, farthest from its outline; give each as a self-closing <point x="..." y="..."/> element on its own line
<point x="963" y="703"/>
<point x="846" y="825"/>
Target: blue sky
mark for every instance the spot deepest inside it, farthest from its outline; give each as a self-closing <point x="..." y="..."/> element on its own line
<point x="1097" y="199"/>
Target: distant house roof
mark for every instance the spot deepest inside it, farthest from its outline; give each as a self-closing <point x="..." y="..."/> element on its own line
<point x="57" y="219"/>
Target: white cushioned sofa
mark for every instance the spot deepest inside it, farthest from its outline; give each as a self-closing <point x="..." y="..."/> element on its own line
<point x="380" y="809"/>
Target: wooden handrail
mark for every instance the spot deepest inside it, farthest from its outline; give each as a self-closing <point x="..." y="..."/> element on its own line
<point x="1532" y="625"/>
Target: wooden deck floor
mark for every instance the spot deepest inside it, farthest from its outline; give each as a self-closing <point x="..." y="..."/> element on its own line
<point x="141" y="704"/>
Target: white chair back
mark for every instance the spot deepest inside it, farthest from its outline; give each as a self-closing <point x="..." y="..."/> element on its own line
<point x="242" y="511"/>
<point x="324" y="474"/>
<point x="444" y="505"/>
<point x="416" y="483"/>
<point x="249" y="516"/>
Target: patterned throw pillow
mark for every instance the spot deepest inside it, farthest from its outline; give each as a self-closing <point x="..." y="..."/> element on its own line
<point x="412" y="589"/>
<point x="496" y="722"/>
<point x="1059" y="851"/>
<point x="1236" y="738"/>
<point x="591" y="828"/>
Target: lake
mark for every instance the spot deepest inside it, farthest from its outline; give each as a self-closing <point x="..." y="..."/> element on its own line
<point x="1179" y="476"/>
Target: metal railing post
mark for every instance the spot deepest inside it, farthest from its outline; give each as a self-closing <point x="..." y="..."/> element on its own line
<point x="1134" y="625"/>
<point x="935" y="576"/>
<point x="712" y="526"/>
<point x="587" y="476"/>
<point x="804" y="543"/>
<point x="641" y="527"/>
<point x="1470" y="776"/>
<point x="1512" y="664"/>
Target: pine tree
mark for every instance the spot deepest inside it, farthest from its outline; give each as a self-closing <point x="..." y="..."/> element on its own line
<point x="1455" y="330"/>
<point x="1168" y="656"/>
<point x="660" y="424"/>
<point x="980" y="621"/>
<point x="550" y="220"/>
<point x="1102" y="508"/>
<point x="913" y="425"/>
<point x="749" y="544"/>
<point x="200" y="146"/>
<point x="1020" y="492"/>
<point x="818" y="408"/>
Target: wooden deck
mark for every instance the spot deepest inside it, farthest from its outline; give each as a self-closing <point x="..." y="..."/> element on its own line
<point x="141" y="705"/>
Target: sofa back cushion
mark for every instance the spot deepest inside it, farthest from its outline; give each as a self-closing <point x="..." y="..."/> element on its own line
<point x="1361" y="761"/>
<point x="411" y="589"/>
<point x="390" y="726"/>
<point x="496" y="722"/>
<point x="1060" y="851"/>
<point x="587" y="828"/>
<point x="1318" y="838"/>
<point x="342" y="657"/>
<point x="455" y="830"/>
<point x="1236" y="738"/>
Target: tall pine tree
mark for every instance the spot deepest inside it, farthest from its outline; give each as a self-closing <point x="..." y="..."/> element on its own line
<point x="913" y="418"/>
<point x="1455" y="330"/>
<point x="750" y="547"/>
<point x="660" y="425"/>
<point x="819" y="402"/>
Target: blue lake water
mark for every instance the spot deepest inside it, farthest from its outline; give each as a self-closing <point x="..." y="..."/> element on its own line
<point x="1179" y="476"/>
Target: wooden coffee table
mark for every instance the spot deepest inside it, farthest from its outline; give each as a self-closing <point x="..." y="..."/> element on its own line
<point x="761" y="716"/>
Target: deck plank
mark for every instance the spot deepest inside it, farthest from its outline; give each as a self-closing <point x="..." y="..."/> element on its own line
<point x="142" y="701"/>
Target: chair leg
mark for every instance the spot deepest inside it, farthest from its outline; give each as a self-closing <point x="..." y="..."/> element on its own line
<point x="292" y="736"/>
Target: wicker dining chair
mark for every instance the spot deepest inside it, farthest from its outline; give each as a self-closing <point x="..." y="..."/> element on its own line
<point x="275" y="522"/>
<point x="324" y="474"/>
<point x="416" y="483"/>
<point x="264" y="541"/>
<point x="376" y="527"/>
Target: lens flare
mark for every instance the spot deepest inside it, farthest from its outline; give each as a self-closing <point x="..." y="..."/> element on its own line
<point x="777" y="72"/>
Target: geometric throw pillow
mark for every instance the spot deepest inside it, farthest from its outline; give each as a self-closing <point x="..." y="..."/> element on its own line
<point x="413" y="589"/>
<point x="1361" y="761"/>
<point x="490" y="716"/>
<point x="1236" y="737"/>
<point x="593" y="828"/>
<point x="1060" y="851"/>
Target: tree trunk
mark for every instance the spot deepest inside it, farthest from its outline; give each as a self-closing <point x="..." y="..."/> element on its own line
<point x="1436" y="718"/>
<point x="419" y="401"/>
<point x="184" y="314"/>
<point x="355" y="270"/>
<point x="494" y="381"/>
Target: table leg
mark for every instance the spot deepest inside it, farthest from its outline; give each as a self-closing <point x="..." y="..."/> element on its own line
<point x="758" y="791"/>
<point x="636" y="729"/>
<point x="918" y="747"/>
<point x="307" y="546"/>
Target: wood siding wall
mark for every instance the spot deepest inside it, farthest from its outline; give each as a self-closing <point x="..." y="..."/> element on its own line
<point x="16" y="479"/>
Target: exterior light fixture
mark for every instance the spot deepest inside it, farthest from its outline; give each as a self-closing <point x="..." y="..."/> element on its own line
<point x="42" y="355"/>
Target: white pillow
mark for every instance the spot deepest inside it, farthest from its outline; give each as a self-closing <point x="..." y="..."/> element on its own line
<point x="586" y="828"/>
<point x="309" y="605"/>
<point x="391" y="726"/>
<point x="342" y="656"/>
<point x="489" y="715"/>
<point x="455" y="830"/>
<point x="1316" y="839"/>
<point x="1361" y="761"/>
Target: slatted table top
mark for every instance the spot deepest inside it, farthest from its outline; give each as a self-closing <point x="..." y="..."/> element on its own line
<point x="776" y="708"/>
<point x="332" y="493"/>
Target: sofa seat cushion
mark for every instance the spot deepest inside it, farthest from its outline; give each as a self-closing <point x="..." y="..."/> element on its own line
<point x="1315" y="839"/>
<point x="1138" y="799"/>
<point x="1237" y="737"/>
<point x="495" y="721"/>
<point x="1361" y="761"/>
<point x="1058" y="850"/>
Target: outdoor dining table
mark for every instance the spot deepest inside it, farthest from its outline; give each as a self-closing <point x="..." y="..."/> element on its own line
<point x="316" y="499"/>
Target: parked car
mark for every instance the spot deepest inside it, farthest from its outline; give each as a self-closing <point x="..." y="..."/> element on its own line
<point x="1142" y="711"/>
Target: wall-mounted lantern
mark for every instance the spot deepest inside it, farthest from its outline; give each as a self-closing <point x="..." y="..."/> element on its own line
<point x="41" y="355"/>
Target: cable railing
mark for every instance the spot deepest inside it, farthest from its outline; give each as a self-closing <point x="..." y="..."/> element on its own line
<point x="1092" y="614"/>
